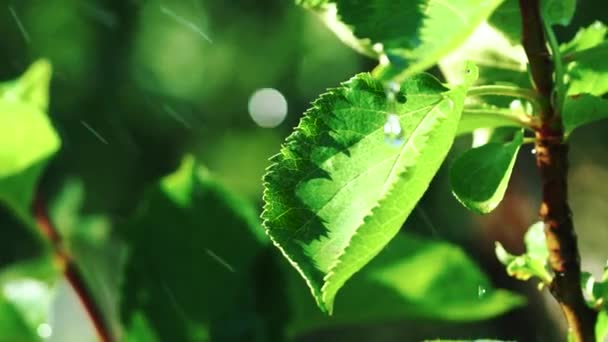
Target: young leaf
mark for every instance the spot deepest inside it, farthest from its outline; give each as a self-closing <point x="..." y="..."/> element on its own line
<point x="558" y="12"/>
<point x="411" y="30"/>
<point x="192" y="249"/>
<point x="340" y="188"/>
<point x="534" y="262"/>
<point x="27" y="137"/>
<point x="585" y="38"/>
<point x="412" y="278"/>
<point x="507" y="17"/>
<point x="583" y="109"/>
<point x="586" y="67"/>
<point x="499" y="61"/>
<point x="480" y="176"/>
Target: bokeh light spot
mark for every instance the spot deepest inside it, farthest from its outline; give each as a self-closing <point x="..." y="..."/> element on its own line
<point x="267" y="107"/>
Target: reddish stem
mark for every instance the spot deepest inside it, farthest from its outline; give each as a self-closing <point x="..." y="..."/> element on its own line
<point x="71" y="271"/>
<point x="552" y="163"/>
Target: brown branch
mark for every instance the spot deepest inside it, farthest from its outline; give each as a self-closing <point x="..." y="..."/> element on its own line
<point x="552" y="162"/>
<point x="71" y="271"/>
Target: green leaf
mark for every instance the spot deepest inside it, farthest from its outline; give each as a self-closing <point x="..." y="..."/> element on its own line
<point x="584" y="57"/>
<point x="585" y="38"/>
<point x="27" y="138"/>
<point x="479" y="177"/>
<point x="601" y="326"/>
<point x="409" y="30"/>
<point x="507" y="17"/>
<point x="583" y="109"/>
<point x="189" y="270"/>
<point x="26" y="293"/>
<point x="495" y="56"/>
<point x="412" y="278"/>
<point x="558" y="11"/>
<point x="596" y="294"/>
<point x="588" y="71"/>
<point x="340" y="189"/>
<point x="534" y="263"/>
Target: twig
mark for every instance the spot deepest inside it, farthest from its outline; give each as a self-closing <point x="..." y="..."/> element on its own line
<point x="71" y="271"/>
<point x="552" y="162"/>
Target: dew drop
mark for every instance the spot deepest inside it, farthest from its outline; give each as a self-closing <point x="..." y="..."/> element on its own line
<point x="481" y="291"/>
<point x="44" y="330"/>
<point x="393" y="134"/>
<point x="392" y="89"/>
<point x="533" y="151"/>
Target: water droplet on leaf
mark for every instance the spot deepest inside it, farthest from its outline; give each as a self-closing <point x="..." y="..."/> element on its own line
<point x="481" y="291"/>
<point x="391" y="89"/>
<point x="393" y="134"/>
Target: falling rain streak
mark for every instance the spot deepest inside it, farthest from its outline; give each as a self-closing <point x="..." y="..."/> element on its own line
<point x="26" y="36"/>
<point x="175" y="115"/>
<point x="94" y="132"/>
<point x="186" y="23"/>
<point x="220" y="260"/>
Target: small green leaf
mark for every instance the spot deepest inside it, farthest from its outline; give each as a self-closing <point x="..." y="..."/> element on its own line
<point x="501" y="60"/>
<point x="558" y="12"/>
<point x="584" y="57"/>
<point x="340" y="188"/>
<point x="583" y="109"/>
<point x="534" y="263"/>
<point x="479" y="177"/>
<point x="411" y="31"/>
<point x="585" y="38"/>
<point x="27" y="137"/>
<point x="412" y="278"/>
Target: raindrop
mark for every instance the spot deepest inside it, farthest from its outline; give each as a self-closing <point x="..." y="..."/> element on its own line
<point x="186" y="23"/>
<point x="516" y="106"/>
<point x="176" y="116"/>
<point x="94" y="132"/>
<point x="481" y="291"/>
<point x="220" y="260"/>
<point x="391" y="89"/>
<point x="393" y="134"/>
<point x="24" y="33"/>
<point x="44" y="330"/>
<point x="267" y="107"/>
<point x="533" y="151"/>
<point x="378" y="47"/>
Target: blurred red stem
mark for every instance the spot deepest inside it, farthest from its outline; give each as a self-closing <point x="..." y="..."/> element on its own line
<point x="71" y="271"/>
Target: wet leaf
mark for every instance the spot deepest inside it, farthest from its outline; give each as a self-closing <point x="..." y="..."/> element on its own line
<point x="338" y="191"/>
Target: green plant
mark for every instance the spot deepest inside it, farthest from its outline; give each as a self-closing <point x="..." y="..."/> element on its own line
<point x="335" y="197"/>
